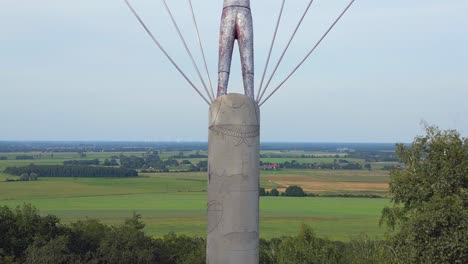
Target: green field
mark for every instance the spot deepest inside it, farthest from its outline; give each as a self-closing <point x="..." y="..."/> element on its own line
<point x="177" y="201"/>
<point x="311" y="160"/>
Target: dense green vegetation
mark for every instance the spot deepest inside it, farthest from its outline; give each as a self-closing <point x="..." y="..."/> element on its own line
<point x="274" y="192"/>
<point x="24" y="157"/>
<point x="430" y="200"/>
<point x="290" y="191"/>
<point x="29" y="237"/>
<point x="71" y="171"/>
<point x="151" y="162"/>
<point x="82" y="162"/>
<point x="336" y="164"/>
<point x="294" y="191"/>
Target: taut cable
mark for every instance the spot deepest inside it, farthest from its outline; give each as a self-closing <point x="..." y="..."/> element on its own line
<point x="310" y="52"/>
<point x="164" y="51"/>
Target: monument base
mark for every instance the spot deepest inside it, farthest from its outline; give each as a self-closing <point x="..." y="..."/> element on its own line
<point x="233" y="180"/>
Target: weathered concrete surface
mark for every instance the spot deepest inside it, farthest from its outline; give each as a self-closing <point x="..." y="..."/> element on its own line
<point x="233" y="180"/>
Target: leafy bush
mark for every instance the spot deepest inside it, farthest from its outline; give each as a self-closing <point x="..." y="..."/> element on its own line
<point x="274" y="192"/>
<point x="307" y="248"/>
<point x="294" y="191"/>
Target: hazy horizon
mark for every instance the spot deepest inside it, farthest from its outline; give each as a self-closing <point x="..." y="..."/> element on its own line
<point x="142" y="141"/>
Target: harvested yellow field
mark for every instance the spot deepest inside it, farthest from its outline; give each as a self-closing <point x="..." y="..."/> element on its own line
<point x="322" y="186"/>
<point x="333" y="181"/>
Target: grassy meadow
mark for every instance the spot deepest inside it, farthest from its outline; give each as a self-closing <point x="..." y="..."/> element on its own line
<point x="177" y="201"/>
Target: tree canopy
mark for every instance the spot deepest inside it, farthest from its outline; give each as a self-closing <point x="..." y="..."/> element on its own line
<point x="430" y="199"/>
<point x="294" y="191"/>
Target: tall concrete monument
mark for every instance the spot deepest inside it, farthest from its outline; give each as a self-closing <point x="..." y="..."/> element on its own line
<point x="233" y="148"/>
<point x="233" y="180"/>
<point x="234" y="131"/>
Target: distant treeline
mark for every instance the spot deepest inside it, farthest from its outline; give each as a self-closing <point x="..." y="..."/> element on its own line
<point x="24" y="157"/>
<point x="72" y="171"/>
<point x="352" y="195"/>
<point x="25" y="177"/>
<point x="297" y="191"/>
<point x="151" y="162"/>
<point x="301" y="156"/>
<point x="81" y="162"/>
<point x="197" y="155"/>
<point x="344" y="165"/>
<point x="291" y="191"/>
<point x="90" y="146"/>
<point x="374" y="156"/>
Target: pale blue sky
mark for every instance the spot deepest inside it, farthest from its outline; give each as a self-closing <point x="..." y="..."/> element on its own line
<point x="85" y="70"/>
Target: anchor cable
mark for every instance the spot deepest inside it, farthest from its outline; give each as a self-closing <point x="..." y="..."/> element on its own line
<point x="271" y="49"/>
<point x="164" y="51"/>
<point x="285" y="50"/>
<point x="187" y="49"/>
<point x="201" y="49"/>
<point x="310" y="52"/>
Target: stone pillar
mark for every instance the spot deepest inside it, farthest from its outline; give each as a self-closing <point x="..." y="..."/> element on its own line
<point x="233" y="180"/>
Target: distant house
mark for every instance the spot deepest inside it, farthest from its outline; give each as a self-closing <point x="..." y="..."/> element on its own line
<point x="273" y="166"/>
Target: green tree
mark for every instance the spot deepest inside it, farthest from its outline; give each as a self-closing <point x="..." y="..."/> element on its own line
<point x="364" y="250"/>
<point x="430" y="200"/>
<point x="19" y="227"/>
<point x="268" y="250"/>
<point x="33" y="176"/>
<point x="307" y="248"/>
<point x="368" y="166"/>
<point x="52" y="251"/>
<point x="294" y="191"/>
<point x="24" y="177"/>
<point x="274" y="192"/>
<point x="128" y="244"/>
<point x="182" y="249"/>
<point x="86" y="236"/>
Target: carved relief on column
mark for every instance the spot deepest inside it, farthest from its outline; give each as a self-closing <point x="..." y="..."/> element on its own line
<point x="233" y="172"/>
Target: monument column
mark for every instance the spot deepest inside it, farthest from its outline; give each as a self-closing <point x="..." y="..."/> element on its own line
<point x="233" y="180"/>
